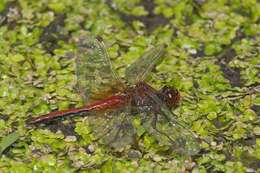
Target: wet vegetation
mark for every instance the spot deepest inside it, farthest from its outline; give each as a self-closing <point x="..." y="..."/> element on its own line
<point x="212" y="57"/>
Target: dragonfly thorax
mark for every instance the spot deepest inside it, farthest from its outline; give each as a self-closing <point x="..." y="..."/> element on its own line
<point x="141" y="97"/>
<point x="144" y="104"/>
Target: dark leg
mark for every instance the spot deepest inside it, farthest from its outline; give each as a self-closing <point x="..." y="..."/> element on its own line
<point x="154" y="122"/>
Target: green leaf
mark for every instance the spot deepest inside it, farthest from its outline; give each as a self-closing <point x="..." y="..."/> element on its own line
<point x="17" y="58"/>
<point x="139" y="11"/>
<point x="57" y="7"/>
<point x="8" y="140"/>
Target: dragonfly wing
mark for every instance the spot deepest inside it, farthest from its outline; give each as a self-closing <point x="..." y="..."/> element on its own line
<point x="114" y="129"/>
<point x="95" y="76"/>
<point x="139" y="70"/>
<point x="170" y="131"/>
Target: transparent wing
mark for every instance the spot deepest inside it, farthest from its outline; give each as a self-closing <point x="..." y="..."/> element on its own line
<point x="95" y="76"/>
<point x="114" y="129"/>
<point x="169" y="131"/>
<point x="139" y="70"/>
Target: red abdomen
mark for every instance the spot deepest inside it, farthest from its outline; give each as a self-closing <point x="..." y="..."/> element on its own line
<point x="110" y="102"/>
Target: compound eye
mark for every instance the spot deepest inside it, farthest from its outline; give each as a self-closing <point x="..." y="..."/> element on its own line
<point x="171" y="96"/>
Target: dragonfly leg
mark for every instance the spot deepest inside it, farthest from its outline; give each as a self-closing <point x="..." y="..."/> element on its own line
<point x="154" y="122"/>
<point x="178" y="143"/>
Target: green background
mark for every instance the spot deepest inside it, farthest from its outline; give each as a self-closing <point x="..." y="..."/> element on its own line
<point x="212" y="58"/>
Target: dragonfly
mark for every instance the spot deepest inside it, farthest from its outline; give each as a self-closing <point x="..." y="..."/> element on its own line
<point x="112" y="104"/>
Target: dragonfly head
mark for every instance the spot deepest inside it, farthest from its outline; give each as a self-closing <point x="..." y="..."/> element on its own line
<point x="170" y="95"/>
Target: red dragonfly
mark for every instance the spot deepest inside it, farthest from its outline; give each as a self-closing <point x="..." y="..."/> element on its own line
<point x="112" y="105"/>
